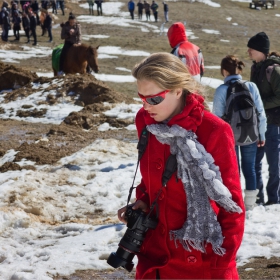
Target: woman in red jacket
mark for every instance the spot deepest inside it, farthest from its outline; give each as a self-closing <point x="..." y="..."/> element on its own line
<point x="200" y="210"/>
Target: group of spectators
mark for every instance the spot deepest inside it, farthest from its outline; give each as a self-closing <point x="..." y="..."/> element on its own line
<point x="147" y="8"/>
<point x="98" y="6"/>
<point x="27" y="15"/>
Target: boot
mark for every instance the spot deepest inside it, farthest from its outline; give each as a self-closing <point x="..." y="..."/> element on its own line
<point x="250" y="199"/>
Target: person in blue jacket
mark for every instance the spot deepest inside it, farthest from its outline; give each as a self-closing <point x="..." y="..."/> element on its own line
<point x="131" y="7"/>
<point x="231" y="69"/>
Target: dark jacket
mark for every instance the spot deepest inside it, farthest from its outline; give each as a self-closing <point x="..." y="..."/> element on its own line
<point x="140" y="6"/>
<point x="48" y="21"/>
<point x="25" y="22"/>
<point x="269" y="90"/>
<point x="74" y="38"/>
<point x="33" y="22"/>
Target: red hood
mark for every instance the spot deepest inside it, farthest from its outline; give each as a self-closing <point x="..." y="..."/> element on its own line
<point x="191" y="116"/>
<point x="176" y="34"/>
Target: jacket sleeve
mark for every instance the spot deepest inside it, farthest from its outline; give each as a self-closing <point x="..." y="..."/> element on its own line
<point x="232" y="224"/>
<point x="64" y="33"/>
<point x="259" y="105"/>
<point x="274" y="100"/>
<point x="219" y="101"/>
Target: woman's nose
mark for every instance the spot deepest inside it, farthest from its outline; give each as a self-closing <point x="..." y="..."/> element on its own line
<point x="146" y="105"/>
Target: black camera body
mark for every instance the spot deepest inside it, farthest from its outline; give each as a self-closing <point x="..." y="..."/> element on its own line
<point x="138" y="224"/>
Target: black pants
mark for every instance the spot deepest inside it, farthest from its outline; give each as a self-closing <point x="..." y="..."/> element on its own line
<point x="155" y="15"/>
<point x="131" y="14"/>
<point x="140" y="12"/>
<point x="65" y="49"/>
<point x="99" y="9"/>
<point x="16" y="32"/>
<point x="27" y="34"/>
<point x="33" y="33"/>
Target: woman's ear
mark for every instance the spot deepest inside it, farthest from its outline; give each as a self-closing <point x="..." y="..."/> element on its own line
<point x="178" y="92"/>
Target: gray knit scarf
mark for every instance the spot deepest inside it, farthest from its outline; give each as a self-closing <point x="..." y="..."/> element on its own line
<point x="202" y="181"/>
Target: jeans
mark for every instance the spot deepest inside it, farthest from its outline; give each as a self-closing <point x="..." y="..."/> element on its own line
<point x="50" y="33"/>
<point x="248" y="159"/>
<point x="272" y="151"/>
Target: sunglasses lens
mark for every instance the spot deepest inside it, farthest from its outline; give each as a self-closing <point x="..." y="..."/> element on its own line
<point x="154" y="100"/>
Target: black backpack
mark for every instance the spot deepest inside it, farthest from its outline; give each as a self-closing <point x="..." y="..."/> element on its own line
<point x="241" y="113"/>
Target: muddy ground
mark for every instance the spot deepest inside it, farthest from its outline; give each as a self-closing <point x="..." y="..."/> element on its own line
<point x="79" y="129"/>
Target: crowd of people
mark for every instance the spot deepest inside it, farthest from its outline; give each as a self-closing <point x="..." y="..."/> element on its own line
<point x="27" y="15"/>
<point x="145" y="6"/>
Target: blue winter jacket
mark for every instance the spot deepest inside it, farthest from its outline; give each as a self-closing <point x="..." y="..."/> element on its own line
<point x="130" y="5"/>
<point x="219" y="103"/>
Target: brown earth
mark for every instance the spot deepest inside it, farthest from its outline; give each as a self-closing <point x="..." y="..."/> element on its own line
<point x="46" y="143"/>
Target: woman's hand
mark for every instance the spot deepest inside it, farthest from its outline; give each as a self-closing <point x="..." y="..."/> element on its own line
<point x="139" y="204"/>
<point x="260" y="143"/>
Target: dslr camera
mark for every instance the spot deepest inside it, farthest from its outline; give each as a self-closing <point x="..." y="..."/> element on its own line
<point x="138" y="224"/>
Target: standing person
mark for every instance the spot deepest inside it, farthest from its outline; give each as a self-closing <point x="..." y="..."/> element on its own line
<point x="147" y="8"/>
<point x="154" y="8"/>
<point x="231" y="69"/>
<point x="48" y="25"/>
<point x="71" y="33"/>
<point x="269" y="87"/>
<point x="165" y="9"/>
<point x="90" y="6"/>
<point x="189" y="53"/>
<point x="16" y="25"/>
<point x="6" y="25"/>
<point x="33" y="24"/>
<point x="54" y="6"/>
<point x="60" y="3"/>
<point x="99" y="6"/>
<point x="131" y="7"/>
<point x="26" y="26"/>
<point x="35" y="8"/>
<point x="140" y="9"/>
<point x="199" y="209"/>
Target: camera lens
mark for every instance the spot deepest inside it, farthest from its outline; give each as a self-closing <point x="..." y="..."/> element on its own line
<point x="122" y="258"/>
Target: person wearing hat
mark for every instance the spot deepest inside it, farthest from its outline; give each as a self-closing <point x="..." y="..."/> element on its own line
<point x="265" y="73"/>
<point x="188" y="52"/>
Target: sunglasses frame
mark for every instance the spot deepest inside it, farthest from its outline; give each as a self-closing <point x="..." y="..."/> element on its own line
<point x="148" y="99"/>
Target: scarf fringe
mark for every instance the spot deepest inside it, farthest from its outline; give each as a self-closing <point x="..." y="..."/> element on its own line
<point x="195" y="244"/>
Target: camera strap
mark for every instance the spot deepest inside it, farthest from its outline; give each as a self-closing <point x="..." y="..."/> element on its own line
<point x="169" y="169"/>
<point x="141" y="146"/>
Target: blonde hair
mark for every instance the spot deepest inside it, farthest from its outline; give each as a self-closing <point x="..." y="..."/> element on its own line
<point x="168" y="72"/>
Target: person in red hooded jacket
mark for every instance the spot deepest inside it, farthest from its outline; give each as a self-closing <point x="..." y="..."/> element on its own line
<point x="188" y="52"/>
<point x="200" y="208"/>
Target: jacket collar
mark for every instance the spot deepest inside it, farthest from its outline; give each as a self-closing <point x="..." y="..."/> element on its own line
<point x="191" y="116"/>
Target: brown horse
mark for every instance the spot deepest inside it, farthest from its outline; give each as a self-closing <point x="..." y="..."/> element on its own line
<point x="78" y="57"/>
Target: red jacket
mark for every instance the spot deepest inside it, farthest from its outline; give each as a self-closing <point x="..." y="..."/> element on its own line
<point x="189" y="53"/>
<point x="158" y="251"/>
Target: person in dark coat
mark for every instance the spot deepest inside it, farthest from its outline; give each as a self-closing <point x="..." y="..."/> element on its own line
<point x="33" y="25"/>
<point x="35" y="8"/>
<point x="48" y="25"/>
<point x="16" y="24"/>
<point x="140" y="6"/>
<point x="6" y="25"/>
<point x="154" y="8"/>
<point x="26" y="26"/>
<point x="99" y="6"/>
<point x="263" y="60"/>
<point x="71" y="33"/>
<point x="165" y="10"/>
<point x="147" y="8"/>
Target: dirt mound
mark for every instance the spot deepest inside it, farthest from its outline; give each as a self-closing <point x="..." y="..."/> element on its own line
<point x="12" y="77"/>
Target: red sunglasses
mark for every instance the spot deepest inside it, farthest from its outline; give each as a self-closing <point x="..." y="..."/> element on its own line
<point x="154" y="99"/>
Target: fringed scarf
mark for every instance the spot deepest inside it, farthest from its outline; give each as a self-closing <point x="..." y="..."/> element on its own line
<point x="202" y="181"/>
